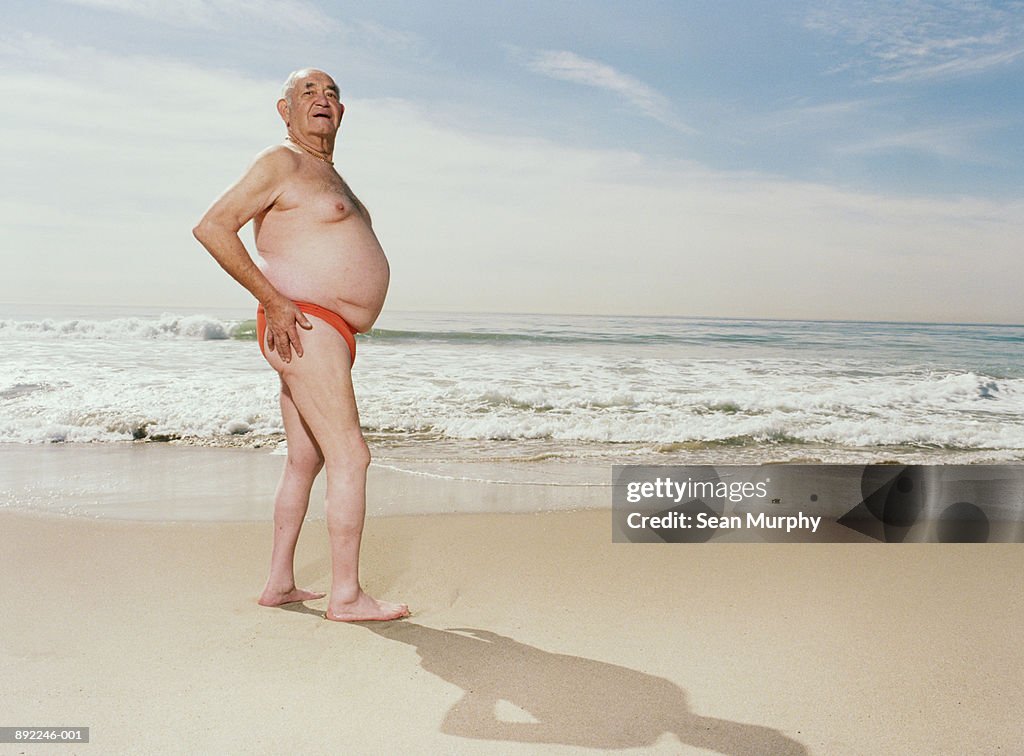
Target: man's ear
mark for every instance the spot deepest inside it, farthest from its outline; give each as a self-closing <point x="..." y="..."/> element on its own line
<point x="282" y="110"/>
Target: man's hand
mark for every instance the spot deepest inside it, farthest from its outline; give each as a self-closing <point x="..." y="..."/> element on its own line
<point x="282" y="335"/>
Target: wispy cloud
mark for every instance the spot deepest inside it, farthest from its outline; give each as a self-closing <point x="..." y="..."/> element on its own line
<point x="903" y="40"/>
<point x="568" y="66"/>
<point x="954" y="141"/>
<point x="219" y="13"/>
<point x="868" y="126"/>
<point x="815" y="116"/>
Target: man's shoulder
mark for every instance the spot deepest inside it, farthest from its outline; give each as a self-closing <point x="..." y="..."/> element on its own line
<point x="277" y="158"/>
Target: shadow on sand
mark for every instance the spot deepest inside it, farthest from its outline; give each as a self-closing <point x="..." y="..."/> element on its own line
<point x="572" y="700"/>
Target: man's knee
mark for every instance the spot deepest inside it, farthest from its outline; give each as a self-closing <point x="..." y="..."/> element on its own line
<point x="358" y="454"/>
<point x="352" y="456"/>
<point x="305" y="462"/>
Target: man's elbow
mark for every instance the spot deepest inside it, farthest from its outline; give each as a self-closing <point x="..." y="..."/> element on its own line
<point x="203" y="231"/>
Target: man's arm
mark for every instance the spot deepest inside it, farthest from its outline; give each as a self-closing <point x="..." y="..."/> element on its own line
<point x="218" y="230"/>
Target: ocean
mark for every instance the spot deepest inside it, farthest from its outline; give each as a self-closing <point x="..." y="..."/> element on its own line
<point x="506" y="392"/>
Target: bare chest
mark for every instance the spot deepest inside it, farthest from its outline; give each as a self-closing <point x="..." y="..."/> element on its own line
<point x="322" y="197"/>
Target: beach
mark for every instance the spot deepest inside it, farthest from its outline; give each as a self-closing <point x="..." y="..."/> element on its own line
<point x="136" y="487"/>
<point x="686" y="341"/>
<point x="531" y="632"/>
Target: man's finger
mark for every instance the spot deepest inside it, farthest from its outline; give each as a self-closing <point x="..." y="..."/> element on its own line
<point x="280" y="345"/>
<point x="301" y="320"/>
<point x="294" y="336"/>
<point x="283" y="349"/>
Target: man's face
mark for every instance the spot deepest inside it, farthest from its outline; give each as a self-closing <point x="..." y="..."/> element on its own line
<point x="313" y="107"/>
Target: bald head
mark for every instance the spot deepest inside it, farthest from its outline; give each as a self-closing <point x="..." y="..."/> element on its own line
<point x="288" y="89"/>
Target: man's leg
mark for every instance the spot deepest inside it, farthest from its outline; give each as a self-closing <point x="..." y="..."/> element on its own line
<point x="320" y="384"/>
<point x="303" y="463"/>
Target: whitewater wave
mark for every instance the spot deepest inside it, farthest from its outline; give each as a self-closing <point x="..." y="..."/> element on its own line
<point x="167" y="326"/>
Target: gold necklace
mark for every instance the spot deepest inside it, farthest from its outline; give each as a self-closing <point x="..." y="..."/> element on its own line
<point x="308" y="151"/>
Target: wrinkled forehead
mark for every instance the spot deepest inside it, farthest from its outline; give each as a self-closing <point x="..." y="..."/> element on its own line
<point x="309" y="79"/>
<point x="316" y="80"/>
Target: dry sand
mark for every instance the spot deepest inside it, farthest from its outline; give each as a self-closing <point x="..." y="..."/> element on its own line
<point x="531" y="633"/>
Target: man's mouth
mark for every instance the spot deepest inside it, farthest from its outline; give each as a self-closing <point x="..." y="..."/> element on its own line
<point x="321" y="115"/>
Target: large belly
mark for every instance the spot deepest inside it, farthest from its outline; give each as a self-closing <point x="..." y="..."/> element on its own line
<point x="340" y="266"/>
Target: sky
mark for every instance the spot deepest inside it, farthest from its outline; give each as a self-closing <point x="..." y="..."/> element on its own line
<point x="824" y="160"/>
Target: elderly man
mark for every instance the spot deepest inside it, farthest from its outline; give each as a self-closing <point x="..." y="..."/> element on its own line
<point x="321" y="278"/>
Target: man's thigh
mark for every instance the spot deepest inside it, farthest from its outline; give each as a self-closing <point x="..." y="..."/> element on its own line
<point x="320" y="383"/>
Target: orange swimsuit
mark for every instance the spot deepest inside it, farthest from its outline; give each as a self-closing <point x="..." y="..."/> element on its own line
<point x="332" y="318"/>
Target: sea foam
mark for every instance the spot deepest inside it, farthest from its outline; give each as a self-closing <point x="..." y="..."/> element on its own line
<point x="623" y="383"/>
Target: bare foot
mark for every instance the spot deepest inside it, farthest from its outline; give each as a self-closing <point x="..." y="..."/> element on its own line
<point x="273" y="597"/>
<point x="365" y="608"/>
